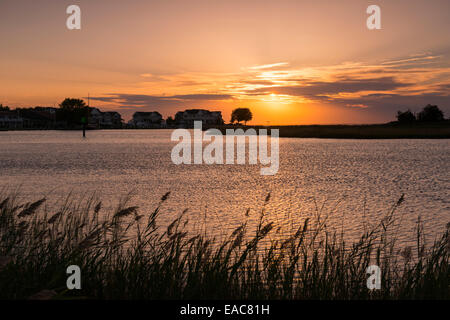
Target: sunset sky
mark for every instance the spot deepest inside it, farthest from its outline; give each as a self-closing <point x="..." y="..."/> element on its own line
<point x="290" y="62"/>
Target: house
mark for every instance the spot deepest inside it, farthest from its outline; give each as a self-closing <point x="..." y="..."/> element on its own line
<point x="48" y="110"/>
<point x="29" y="118"/>
<point x="186" y="118"/>
<point x="10" y="120"/>
<point x="111" y="119"/>
<point x="146" y="120"/>
<point x="99" y="119"/>
<point x="95" y="118"/>
<point x="38" y="118"/>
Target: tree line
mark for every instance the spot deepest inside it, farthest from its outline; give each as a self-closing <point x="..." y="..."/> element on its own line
<point x="430" y="113"/>
<point x="75" y="111"/>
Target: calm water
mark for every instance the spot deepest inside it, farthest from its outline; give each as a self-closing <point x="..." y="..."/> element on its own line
<point x="354" y="182"/>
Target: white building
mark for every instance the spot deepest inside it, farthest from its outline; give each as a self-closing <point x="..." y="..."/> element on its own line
<point x="99" y="119"/>
<point x="186" y="118"/>
<point x="95" y="117"/>
<point x="146" y="120"/>
<point x="111" y="119"/>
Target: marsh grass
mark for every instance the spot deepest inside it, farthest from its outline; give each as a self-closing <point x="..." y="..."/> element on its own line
<point x="433" y="130"/>
<point x="126" y="255"/>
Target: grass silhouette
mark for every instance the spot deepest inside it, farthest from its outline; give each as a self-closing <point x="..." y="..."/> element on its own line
<point x="126" y="255"/>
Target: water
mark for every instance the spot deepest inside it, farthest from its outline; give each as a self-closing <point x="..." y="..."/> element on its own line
<point x="355" y="182"/>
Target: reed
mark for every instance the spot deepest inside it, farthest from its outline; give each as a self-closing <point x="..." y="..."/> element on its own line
<point x="433" y="130"/>
<point x="125" y="255"/>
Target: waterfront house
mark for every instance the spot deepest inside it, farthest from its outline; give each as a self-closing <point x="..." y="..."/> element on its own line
<point x="38" y="117"/>
<point x="185" y="119"/>
<point x="146" y="120"/>
<point x="99" y="119"/>
<point x="111" y="119"/>
<point x="10" y="120"/>
<point x="95" y="118"/>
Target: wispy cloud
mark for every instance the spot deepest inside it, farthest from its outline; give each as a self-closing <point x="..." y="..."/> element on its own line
<point x="320" y="89"/>
<point x="141" y="100"/>
<point x="401" y="82"/>
<point x="414" y="59"/>
<point x="269" y="66"/>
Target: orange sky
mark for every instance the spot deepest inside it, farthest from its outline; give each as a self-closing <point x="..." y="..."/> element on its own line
<point x="290" y="62"/>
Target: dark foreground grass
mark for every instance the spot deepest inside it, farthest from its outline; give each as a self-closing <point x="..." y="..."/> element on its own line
<point x="126" y="255"/>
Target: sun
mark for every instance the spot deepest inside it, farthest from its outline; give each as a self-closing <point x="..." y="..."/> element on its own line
<point x="275" y="99"/>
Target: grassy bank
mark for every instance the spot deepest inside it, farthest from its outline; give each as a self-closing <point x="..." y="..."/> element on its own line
<point x="438" y="130"/>
<point x="38" y="244"/>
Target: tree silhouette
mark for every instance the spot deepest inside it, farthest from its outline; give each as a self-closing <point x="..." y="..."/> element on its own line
<point x="430" y="113"/>
<point x="405" y="117"/>
<point x="73" y="111"/>
<point x="72" y="104"/>
<point x="4" y="108"/>
<point x="241" y="114"/>
<point x="170" y="121"/>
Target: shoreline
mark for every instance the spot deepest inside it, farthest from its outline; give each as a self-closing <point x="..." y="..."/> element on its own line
<point x="438" y="130"/>
<point x="369" y="132"/>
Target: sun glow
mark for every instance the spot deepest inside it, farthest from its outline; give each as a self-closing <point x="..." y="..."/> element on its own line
<point x="276" y="99"/>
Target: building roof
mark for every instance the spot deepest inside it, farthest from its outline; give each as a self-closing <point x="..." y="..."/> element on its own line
<point x="8" y="113"/>
<point x="196" y="111"/>
<point x="142" y="113"/>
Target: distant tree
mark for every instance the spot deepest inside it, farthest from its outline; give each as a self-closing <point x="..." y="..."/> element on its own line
<point x="170" y="121"/>
<point x="4" y="108"/>
<point x="72" y="104"/>
<point x="241" y="114"/>
<point x="72" y="111"/>
<point x="405" y="117"/>
<point x="430" y="113"/>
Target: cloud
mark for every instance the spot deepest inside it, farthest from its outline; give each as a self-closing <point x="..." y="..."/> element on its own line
<point x="413" y="60"/>
<point x="390" y="85"/>
<point x="356" y="106"/>
<point x="389" y="103"/>
<point x="270" y="66"/>
<point x="387" y="86"/>
<point x="318" y="89"/>
<point x="140" y="100"/>
<point x="208" y="97"/>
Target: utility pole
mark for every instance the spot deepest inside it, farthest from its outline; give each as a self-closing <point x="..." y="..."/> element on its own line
<point x="84" y="119"/>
